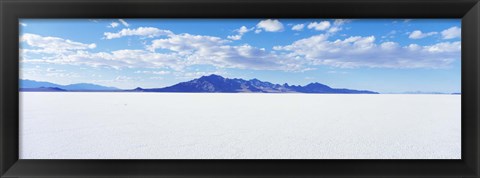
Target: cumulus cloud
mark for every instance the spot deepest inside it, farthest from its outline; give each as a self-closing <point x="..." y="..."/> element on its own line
<point x="417" y="34"/>
<point x="389" y="45"/>
<point x="319" y="26"/>
<point x="328" y="26"/>
<point x="178" y="51"/>
<point x="444" y="47"/>
<point x="199" y="49"/>
<point x="234" y="37"/>
<point x="148" y="32"/>
<point x="334" y="29"/>
<point x="337" y="25"/>
<point x="298" y="27"/>
<point x="270" y="25"/>
<point x="241" y="31"/>
<point x="115" y="59"/>
<point x="340" y="22"/>
<point x="451" y="33"/>
<point x="23" y="24"/>
<point x="358" y="51"/>
<point x="53" y="45"/>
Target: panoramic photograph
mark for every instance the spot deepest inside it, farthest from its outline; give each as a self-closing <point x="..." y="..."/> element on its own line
<point x="240" y="88"/>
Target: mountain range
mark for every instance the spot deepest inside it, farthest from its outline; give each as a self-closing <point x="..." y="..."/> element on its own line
<point x="205" y="84"/>
<point x="32" y="85"/>
<point x="218" y="84"/>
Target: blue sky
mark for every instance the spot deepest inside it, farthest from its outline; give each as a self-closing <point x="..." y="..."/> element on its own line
<point x="384" y="55"/>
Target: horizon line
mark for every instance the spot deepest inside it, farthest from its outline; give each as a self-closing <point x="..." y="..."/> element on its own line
<point x="138" y="87"/>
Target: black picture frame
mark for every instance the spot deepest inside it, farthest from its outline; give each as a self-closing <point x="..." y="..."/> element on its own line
<point x="12" y="10"/>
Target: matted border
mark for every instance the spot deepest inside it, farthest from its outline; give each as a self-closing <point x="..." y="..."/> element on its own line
<point x="12" y="10"/>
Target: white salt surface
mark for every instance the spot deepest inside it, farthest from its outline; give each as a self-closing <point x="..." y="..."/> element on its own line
<point x="238" y="126"/>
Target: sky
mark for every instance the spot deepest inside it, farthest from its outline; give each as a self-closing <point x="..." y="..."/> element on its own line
<point x="383" y="55"/>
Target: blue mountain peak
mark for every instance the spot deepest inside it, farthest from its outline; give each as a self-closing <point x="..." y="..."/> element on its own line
<point x="206" y="84"/>
<point x="218" y="84"/>
<point x="212" y="77"/>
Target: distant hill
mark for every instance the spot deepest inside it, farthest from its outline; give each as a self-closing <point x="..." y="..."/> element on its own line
<point x="87" y="86"/>
<point x="219" y="84"/>
<point x="44" y="89"/>
<point x="32" y="85"/>
<point x="37" y="84"/>
<point x="205" y="84"/>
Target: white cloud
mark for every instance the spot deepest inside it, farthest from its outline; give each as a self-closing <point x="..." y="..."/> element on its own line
<point x="148" y="32"/>
<point x="298" y="27"/>
<point x="23" y="24"/>
<point x="234" y="37"/>
<point x="182" y="50"/>
<point x="360" y="51"/>
<point x="451" y="33"/>
<point x="337" y="25"/>
<point x="319" y="26"/>
<point x="270" y="25"/>
<point x="198" y="49"/>
<point x="389" y="45"/>
<point x="42" y="73"/>
<point x="177" y="51"/>
<point x="124" y="23"/>
<point x="113" y="25"/>
<point x="257" y="31"/>
<point x="241" y="31"/>
<point x="417" y="34"/>
<point x="53" y="45"/>
<point x="334" y="29"/>
<point x="340" y="22"/>
<point x="56" y="50"/>
<point x="119" y="59"/>
<point x="445" y="47"/>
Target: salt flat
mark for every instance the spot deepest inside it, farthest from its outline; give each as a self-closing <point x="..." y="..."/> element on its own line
<point x="71" y="125"/>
